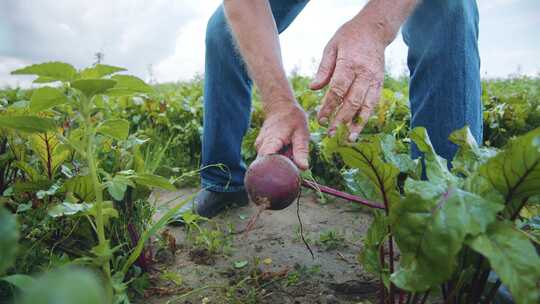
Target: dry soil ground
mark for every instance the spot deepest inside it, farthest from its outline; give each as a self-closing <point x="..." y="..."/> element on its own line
<point x="279" y="268"/>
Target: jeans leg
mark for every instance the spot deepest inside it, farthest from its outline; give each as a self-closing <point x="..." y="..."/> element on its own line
<point x="444" y="64"/>
<point x="227" y="99"/>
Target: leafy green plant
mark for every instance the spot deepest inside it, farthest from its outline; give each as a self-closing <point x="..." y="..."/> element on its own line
<point x="90" y="136"/>
<point x="331" y="240"/>
<point x="209" y="236"/>
<point x="457" y="226"/>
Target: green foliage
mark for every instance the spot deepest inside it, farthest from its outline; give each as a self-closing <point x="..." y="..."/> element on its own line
<point x="49" y="71"/>
<point x="85" y="152"/>
<point x="437" y="222"/>
<point x="9" y="239"/>
<point x="521" y="271"/>
<point x="45" y="98"/>
<point x="72" y="177"/>
<point x="63" y="286"/>
<point x="430" y="229"/>
<point x="115" y="128"/>
<point x="29" y="124"/>
<point x="92" y="87"/>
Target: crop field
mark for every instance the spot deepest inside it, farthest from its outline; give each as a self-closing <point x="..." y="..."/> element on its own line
<point x="94" y="163"/>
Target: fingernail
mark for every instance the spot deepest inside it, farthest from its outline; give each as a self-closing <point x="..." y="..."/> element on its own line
<point x="353" y="136"/>
<point x="323" y="120"/>
<point x="332" y="132"/>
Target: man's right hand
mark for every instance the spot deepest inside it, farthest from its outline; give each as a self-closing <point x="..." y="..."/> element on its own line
<point x="255" y="31"/>
<point x="285" y="124"/>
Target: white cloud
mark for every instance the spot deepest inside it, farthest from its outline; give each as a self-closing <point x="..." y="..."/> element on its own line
<point x="131" y="33"/>
<point x="169" y="35"/>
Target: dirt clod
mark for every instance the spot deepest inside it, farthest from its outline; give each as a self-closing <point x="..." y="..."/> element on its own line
<point x="201" y="256"/>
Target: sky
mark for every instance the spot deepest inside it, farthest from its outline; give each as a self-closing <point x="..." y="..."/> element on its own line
<point x="163" y="40"/>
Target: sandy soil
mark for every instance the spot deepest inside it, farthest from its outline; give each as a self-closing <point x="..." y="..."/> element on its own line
<point x="279" y="267"/>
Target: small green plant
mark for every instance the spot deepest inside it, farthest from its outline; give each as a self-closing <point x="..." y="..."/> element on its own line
<point x="209" y="236"/>
<point x="331" y="240"/>
<point x="301" y="272"/>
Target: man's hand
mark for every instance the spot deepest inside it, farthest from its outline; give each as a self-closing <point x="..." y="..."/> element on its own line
<point x="284" y="125"/>
<point x="255" y="31"/>
<point x="353" y="64"/>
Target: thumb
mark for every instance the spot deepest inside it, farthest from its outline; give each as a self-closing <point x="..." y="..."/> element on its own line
<point x="300" y="143"/>
<point x="326" y="68"/>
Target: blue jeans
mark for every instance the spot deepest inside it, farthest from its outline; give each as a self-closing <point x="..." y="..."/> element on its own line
<point x="444" y="91"/>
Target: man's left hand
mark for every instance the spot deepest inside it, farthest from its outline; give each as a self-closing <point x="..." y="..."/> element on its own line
<point x="353" y="66"/>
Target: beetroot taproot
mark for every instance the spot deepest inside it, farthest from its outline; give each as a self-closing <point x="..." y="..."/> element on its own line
<point x="273" y="182"/>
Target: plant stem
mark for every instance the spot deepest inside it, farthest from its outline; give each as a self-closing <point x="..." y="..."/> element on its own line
<point x="382" y="296"/>
<point x="518" y="210"/>
<point x="415" y="298"/>
<point x="492" y="292"/>
<point x="482" y="285"/>
<point x="391" y="263"/>
<point x="340" y="194"/>
<point x="100" y="225"/>
<point x="409" y="297"/>
<point x="92" y="168"/>
<point x="443" y="291"/>
<point x="426" y="295"/>
<point x="474" y="281"/>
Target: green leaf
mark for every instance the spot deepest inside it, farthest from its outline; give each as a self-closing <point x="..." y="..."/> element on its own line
<point x="240" y="264"/>
<point x="401" y="161"/>
<point x="66" y="285"/>
<point x="46" y="98"/>
<point x="513" y="258"/>
<point x="359" y="184"/>
<point x="436" y="166"/>
<point x="117" y="186"/>
<point x="369" y="256"/>
<point x="43" y="79"/>
<point x="67" y="209"/>
<point x="91" y="87"/>
<point x="469" y="155"/>
<point x="100" y="70"/>
<point x="128" y="85"/>
<point x="32" y="186"/>
<point x="51" y="71"/>
<point x="107" y="210"/>
<point x="31" y="172"/>
<point x="82" y="187"/>
<point x="50" y="151"/>
<point x="28" y="124"/>
<point x="366" y="156"/>
<point x="115" y="128"/>
<point x="153" y="181"/>
<point x="21" y="281"/>
<point x="9" y="239"/>
<point x="515" y="171"/>
<point x="430" y="227"/>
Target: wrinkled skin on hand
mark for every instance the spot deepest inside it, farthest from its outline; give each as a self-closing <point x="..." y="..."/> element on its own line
<point x="286" y="124"/>
<point x="353" y="67"/>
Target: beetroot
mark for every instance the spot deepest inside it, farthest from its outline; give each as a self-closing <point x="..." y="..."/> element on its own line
<point x="273" y="182"/>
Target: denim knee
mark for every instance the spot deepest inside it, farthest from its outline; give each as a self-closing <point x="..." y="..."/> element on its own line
<point x="444" y="63"/>
<point x="216" y="29"/>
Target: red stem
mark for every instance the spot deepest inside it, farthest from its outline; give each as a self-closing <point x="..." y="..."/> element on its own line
<point x="340" y="194"/>
<point x="383" y="288"/>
